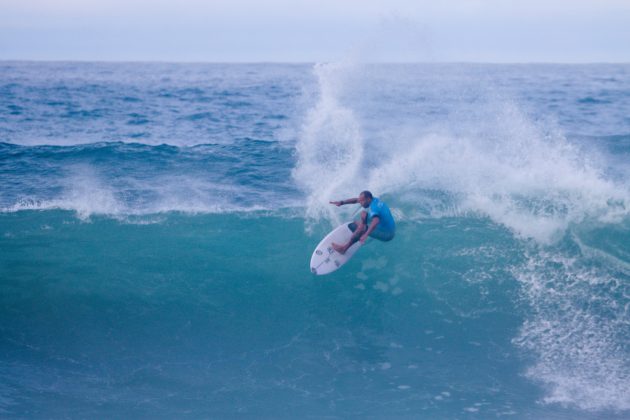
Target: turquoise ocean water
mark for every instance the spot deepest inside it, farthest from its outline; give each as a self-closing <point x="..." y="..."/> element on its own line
<point x="157" y="221"/>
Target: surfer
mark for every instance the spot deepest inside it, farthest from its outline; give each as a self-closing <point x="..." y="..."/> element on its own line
<point x="376" y="221"/>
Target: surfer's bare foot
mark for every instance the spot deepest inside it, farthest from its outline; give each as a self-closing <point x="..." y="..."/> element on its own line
<point x="339" y="248"/>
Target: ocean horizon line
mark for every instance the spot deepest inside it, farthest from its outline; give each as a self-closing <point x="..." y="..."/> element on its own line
<point x="274" y="62"/>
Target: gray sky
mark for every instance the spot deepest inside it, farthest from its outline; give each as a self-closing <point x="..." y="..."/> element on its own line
<point x="322" y="30"/>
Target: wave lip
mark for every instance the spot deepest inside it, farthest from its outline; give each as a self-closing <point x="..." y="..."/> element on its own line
<point x="86" y="193"/>
<point x="86" y="209"/>
<point x="533" y="182"/>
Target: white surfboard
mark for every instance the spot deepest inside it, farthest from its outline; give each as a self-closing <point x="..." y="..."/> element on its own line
<point x="325" y="259"/>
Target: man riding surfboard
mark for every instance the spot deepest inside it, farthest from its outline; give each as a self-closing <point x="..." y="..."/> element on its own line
<point x="376" y="221"/>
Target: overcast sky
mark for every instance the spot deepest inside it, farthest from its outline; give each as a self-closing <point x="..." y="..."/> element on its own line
<point x="316" y="30"/>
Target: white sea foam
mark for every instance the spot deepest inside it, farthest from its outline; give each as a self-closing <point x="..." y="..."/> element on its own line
<point x="330" y="150"/>
<point x="578" y="329"/>
<point x="85" y="192"/>
<point x="487" y="157"/>
<point x="84" y="208"/>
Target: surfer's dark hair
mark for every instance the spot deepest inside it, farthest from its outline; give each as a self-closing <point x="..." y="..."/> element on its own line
<point x="367" y="194"/>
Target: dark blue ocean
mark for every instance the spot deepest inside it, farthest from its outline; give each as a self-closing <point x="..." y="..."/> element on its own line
<point x="157" y="222"/>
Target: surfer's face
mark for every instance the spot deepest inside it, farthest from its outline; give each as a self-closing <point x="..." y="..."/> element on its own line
<point x="365" y="202"/>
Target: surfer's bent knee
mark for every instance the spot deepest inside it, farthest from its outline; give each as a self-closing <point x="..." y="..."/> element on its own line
<point x="354" y="226"/>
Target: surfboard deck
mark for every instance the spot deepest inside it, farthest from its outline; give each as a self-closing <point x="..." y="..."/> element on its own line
<point x="325" y="259"/>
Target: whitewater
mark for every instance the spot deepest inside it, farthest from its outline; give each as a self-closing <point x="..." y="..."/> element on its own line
<point x="157" y="220"/>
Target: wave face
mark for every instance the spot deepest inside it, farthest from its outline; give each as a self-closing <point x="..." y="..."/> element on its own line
<point x="156" y="223"/>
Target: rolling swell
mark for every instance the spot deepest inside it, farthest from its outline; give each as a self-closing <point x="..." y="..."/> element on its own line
<point x="121" y="179"/>
<point x="176" y="309"/>
<point x="425" y="324"/>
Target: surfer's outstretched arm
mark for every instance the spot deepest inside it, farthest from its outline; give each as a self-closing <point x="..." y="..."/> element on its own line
<point x="346" y="201"/>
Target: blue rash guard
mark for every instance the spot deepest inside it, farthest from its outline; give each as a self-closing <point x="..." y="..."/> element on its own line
<point x="386" y="227"/>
